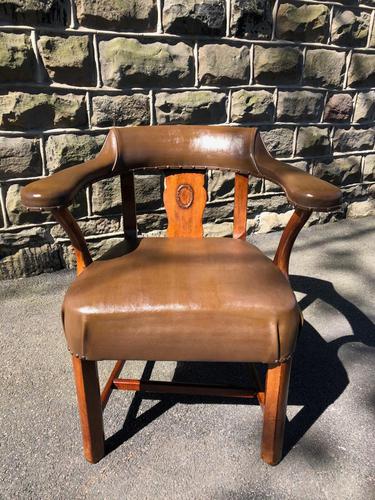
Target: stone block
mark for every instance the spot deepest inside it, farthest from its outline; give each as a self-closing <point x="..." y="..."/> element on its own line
<point x="91" y="227"/>
<point x="68" y="59"/>
<point x="340" y="171"/>
<point x="369" y="168"/>
<point x="302" y="23"/>
<point x="155" y="223"/>
<point x="221" y="185"/>
<point x="251" y="19"/>
<point x="31" y="12"/>
<point x="148" y="192"/>
<point x="339" y="108"/>
<point x="353" y="139"/>
<point x="350" y="28"/>
<point x="272" y="221"/>
<point x="194" y="17"/>
<point x="324" y="67"/>
<point x="128" y="62"/>
<point x="120" y="110"/>
<point x="277" y="65"/>
<point x="199" y="107"/>
<point x="313" y="141"/>
<point x="252" y="106"/>
<point x="23" y="111"/>
<point x="221" y="64"/>
<point x="361" y="209"/>
<point x="279" y="141"/>
<point x="20" y="157"/>
<point x="300" y="105"/>
<point x="17" y="60"/>
<point x="65" y="150"/>
<point x="99" y="247"/>
<point x="106" y="196"/>
<point x="122" y="15"/>
<point x="218" y="230"/>
<point x="28" y="252"/>
<point x="362" y="70"/>
<point x="365" y="107"/>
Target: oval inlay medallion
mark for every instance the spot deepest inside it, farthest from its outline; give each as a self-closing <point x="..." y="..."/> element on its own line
<point x="184" y="196"/>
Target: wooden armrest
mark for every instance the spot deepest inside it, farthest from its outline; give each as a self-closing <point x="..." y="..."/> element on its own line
<point x="68" y="222"/>
<point x="302" y="189"/>
<point x="59" y="189"/>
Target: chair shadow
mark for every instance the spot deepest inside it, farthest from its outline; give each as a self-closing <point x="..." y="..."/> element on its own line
<point x="318" y="376"/>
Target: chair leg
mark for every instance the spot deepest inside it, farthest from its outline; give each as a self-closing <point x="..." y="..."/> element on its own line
<point x="90" y="408"/>
<point x="277" y="386"/>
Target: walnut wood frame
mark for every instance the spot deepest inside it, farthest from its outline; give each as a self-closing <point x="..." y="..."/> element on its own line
<point x="184" y="198"/>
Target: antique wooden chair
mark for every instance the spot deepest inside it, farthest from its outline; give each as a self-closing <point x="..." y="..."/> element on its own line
<point x="184" y="297"/>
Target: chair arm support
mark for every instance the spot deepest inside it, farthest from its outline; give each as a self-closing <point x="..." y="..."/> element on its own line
<point x="59" y="189"/>
<point x="288" y="237"/>
<point x="67" y="221"/>
<point x="303" y="190"/>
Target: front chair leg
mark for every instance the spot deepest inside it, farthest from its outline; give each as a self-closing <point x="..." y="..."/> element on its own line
<point x="276" y="396"/>
<point x="90" y="408"/>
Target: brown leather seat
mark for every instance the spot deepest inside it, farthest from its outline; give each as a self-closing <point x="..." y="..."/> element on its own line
<point x="209" y="299"/>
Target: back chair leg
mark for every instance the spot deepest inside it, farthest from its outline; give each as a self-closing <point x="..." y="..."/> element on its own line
<point x="277" y="386"/>
<point x="90" y="408"/>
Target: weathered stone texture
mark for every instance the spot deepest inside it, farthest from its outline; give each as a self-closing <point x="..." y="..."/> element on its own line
<point x="353" y="139"/>
<point x="361" y="209"/>
<point x="272" y="221"/>
<point x="223" y="65"/>
<point x="362" y="70"/>
<point x="17" y="60"/>
<point x="302" y="23"/>
<point x="126" y="65"/>
<point x="340" y="171"/>
<point x="20" y="157"/>
<point x="277" y="65"/>
<point x="365" y="107"/>
<point x="68" y="59"/>
<point x="350" y="28"/>
<point x="148" y="195"/>
<point x="194" y="17"/>
<point x="23" y="111"/>
<point x="338" y="108"/>
<point x="369" y="168"/>
<point x="252" y="106"/>
<point x="324" y="67"/>
<point x="313" y="141"/>
<point x="69" y="149"/>
<point x="106" y="196"/>
<point x="91" y="227"/>
<point x="279" y="141"/>
<point x="120" y="110"/>
<point x="27" y="252"/>
<point x="300" y="105"/>
<point x="127" y="62"/>
<point x="31" y="12"/>
<point x="251" y="19"/>
<point x="124" y="15"/>
<point x="200" y="107"/>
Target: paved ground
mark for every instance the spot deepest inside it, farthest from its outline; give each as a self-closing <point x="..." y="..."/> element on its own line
<point x="196" y="449"/>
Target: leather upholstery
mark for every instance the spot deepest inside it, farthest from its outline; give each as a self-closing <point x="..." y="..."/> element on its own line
<point x="212" y="299"/>
<point x="182" y="146"/>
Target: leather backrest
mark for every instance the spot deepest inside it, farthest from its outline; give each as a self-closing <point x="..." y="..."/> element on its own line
<point x="186" y="147"/>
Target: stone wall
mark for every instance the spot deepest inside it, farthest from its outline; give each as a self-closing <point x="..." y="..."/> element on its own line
<point x="304" y="72"/>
